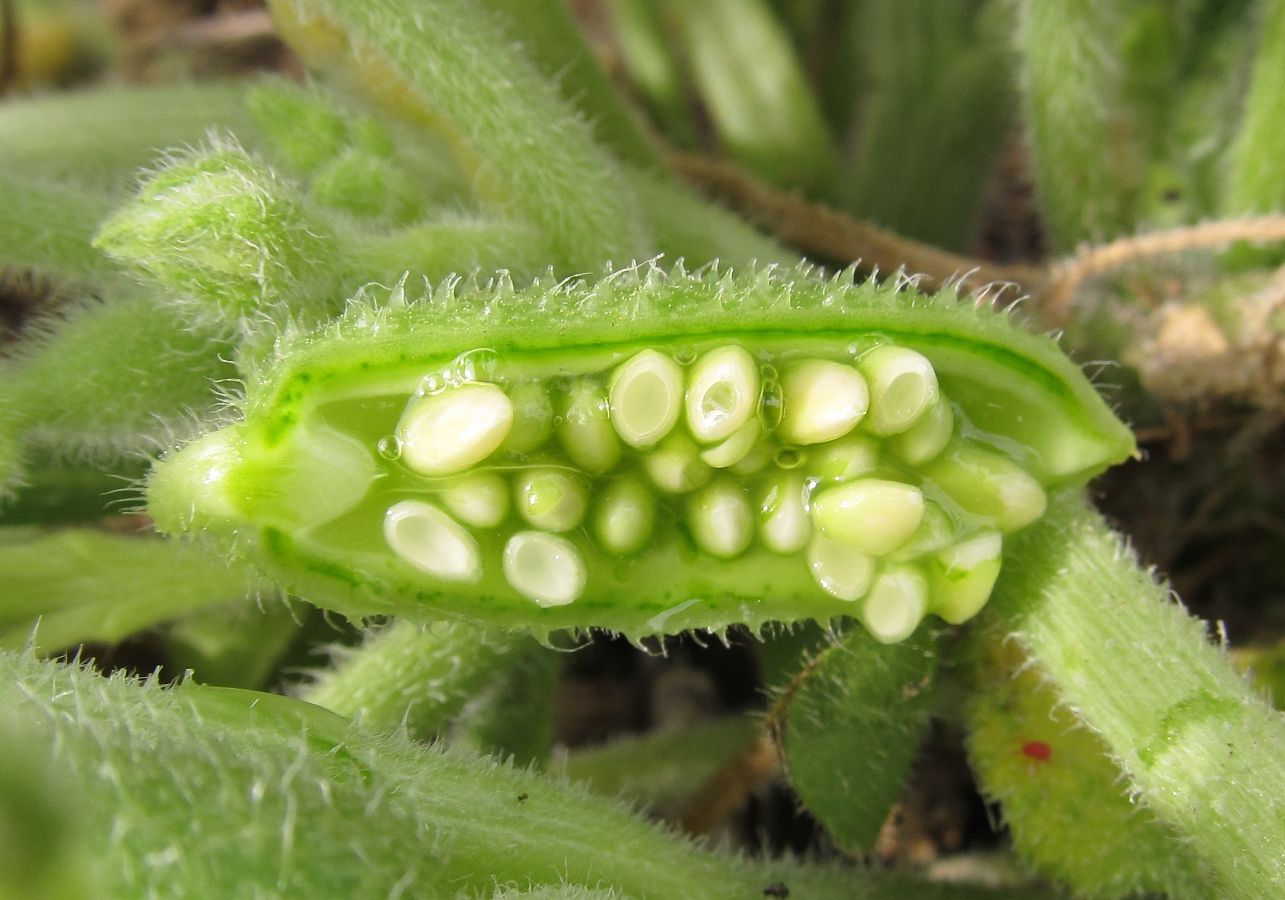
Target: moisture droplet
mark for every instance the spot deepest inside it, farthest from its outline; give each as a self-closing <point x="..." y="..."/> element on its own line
<point x="771" y="404"/>
<point x="767" y="372"/>
<point x="862" y="346"/>
<point x="685" y="356"/>
<point x="432" y="383"/>
<point x="789" y="458"/>
<point x="389" y="447"/>
<point x="475" y="365"/>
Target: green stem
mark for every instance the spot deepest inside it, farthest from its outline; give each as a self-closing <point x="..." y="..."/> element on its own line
<point x="1200" y="748"/>
<point x="83" y="585"/>
<point x="112" y="379"/>
<point x="1256" y="181"/>
<point x="49" y="227"/>
<point x="261" y="794"/>
<point x="744" y="66"/>
<point x="414" y="677"/>
<point x="513" y="718"/>
<point x="933" y="118"/>
<point x="1078" y="133"/>
<point x="101" y="138"/>
<point x="1063" y="798"/>
<point x="441" y="65"/>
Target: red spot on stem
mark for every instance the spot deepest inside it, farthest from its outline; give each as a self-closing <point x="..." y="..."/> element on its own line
<point x="1037" y="750"/>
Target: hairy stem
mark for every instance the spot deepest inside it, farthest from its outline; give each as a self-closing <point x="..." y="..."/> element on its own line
<point x="1200" y="749"/>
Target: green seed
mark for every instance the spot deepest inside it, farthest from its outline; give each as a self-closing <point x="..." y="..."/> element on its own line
<point x="625" y="516"/>
<point x="896" y="604"/>
<point x="756" y="460"/>
<point x="870" y="514"/>
<point x="926" y="439"/>
<point x="585" y="430"/>
<point x="784" y="526"/>
<point x="480" y="499"/>
<point x="822" y="400"/>
<point x="431" y="541"/>
<point x="646" y="397"/>
<point x="545" y="568"/>
<point x="935" y="532"/>
<point x="532" y="418"/>
<point x="675" y="466"/>
<point x="721" y="519"/>
<point x="903" y="385"/>
<point x="735" y="448"/>
<point x="989" y="486"/>
<point x="845" y="459"/>
<point x="840" y="570"/>
<point x="722" y="393"/>
<point x="447" y="432"/>
<point x="963" y="576"/>
<point x="550" y="499"/>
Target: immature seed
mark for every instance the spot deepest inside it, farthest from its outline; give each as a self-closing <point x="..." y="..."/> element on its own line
<point x="822" y="401"/>
<point x="903" y="385"/>
<point x="896" y="603"/>
<point x="545" y="568"/>
<point x="935" y="532"/>
<point x="722" y="393"/>
<point x="550" y="499"/>
<point x="532" y="418"/>
<point x="926" y="439"/>
<point x="840" y="570"/>
<point x="963" y="576"/>
<point x="646" y="397"/>
<point x="431" y="541"/>
<point x="675" y="466"/>
<point x="990" y="486"/>
<point x="721" y="519"/>
<point x="447" y="432"/>
<point x="784" y="526"/>
<point x="756" y="460"/>
<point x="870" y="514"/>
<point x="845" y="459"/>
<point x="585" y="430"/>
<point x="625" y="516"/>
<point x="480" y="499"/>
<point x="735" y="448"/>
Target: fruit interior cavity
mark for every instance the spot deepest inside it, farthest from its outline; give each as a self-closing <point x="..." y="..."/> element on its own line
<point x="536" y="479"/>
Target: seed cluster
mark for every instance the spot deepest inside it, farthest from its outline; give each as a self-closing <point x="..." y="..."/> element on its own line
<point x="856" y="464"/>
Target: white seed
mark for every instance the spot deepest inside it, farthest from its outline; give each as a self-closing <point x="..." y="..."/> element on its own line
<point x="822" y="401"/>
<point x="447" y="432"/>
<point x="585" y="430"/>
<point x="845" y="459"/>
<point x="550" y="499"/>
<point x="873" y="515"/>
<point x="480" y="499"/>
<point x="896" y="604"/>
<point x="989" y="486"/>
<point x="903" y="385"/>
<point x="784" y="526"/>
<point x="675" y="466"/>
<point x="545" y="568"/>
<point x="735" y="448"/>
<point x="722" y="393"/>
<point x="935" y="532"/>
<point x="840" y="570"/>
<point x="963" y="576"/>
<point x="625" y="516"/>
<point x="721" y="519"/>
<point x="926" y="439"/>
<point x="532" y="418"/>
<point x="646" y="397"/>
<point x="431" y="541"/>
